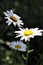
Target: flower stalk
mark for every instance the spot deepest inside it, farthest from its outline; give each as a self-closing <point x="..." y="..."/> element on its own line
<point x="27" y="53"/>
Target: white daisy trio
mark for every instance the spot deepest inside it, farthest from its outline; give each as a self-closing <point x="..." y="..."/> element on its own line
<point x="28" y="33"/>
<point x="24" y="33"/>
<point x="13" y="18"/>
<point x="17" y="45"/>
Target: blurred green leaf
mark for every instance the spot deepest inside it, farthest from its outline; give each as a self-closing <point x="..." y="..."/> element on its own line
<point x="1" y="41"/>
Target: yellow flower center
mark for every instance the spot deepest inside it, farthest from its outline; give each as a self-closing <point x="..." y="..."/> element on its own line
<point x="18" y="46"/>
<point x="28" y="32"/>
<point x="13" y="18"/>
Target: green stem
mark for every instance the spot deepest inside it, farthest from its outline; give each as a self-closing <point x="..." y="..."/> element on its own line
<point x="27" y="53"/>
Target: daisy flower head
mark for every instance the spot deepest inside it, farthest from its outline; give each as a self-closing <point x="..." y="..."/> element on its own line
<point x="26" y="33"/>
<point x="18" y="46"/>
<point x="13" y="18"/>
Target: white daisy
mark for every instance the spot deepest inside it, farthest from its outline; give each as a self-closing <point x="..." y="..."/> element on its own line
<point x="28" y="33"/>
<point x="13" y="18"/>
<point x="17" y="45"/>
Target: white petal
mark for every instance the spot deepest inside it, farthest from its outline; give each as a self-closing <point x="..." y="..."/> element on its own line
<point x="9" y="23"/>
<point x="18" y="36"/>
<point x="20" y="22"/>
<point x="22" y="38"/>
<point x="5" y="14"/>
<point x="21" y="29"/>
<point x="26" y="39"/>
<point x="40" y="30"/>
<point x="26" y="28"/>
<point x="14" y="23"/>
<point x="8" y="12"/>
<point x="17" y="31"/>
<point x="11" y="12"/>
<point x="6" y="17"/>
<point x="23" y="49"/>
<point x="16" y="16"/>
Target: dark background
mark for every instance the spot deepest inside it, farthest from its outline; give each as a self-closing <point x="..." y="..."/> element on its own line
<point x="31" y="12"/>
